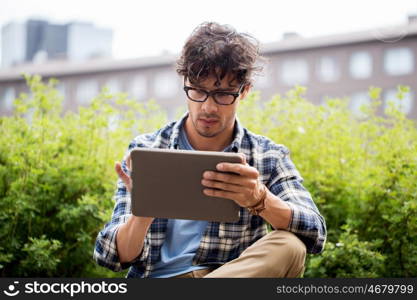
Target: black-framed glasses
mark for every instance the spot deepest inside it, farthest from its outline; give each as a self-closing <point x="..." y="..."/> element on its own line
<point x="220" y="97"/>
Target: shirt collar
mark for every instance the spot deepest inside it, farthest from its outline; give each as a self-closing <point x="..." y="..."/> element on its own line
<point x="238" y="134"/>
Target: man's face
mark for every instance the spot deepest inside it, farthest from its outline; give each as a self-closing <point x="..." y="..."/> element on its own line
<point x="210" y="118"/>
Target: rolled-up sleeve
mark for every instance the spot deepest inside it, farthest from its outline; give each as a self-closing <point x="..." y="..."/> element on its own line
<point x="306" y="222"/>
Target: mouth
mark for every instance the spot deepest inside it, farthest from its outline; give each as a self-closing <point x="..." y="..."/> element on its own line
<point x="208" y="122"/>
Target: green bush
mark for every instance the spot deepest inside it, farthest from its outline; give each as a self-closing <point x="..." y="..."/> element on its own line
<point x="57" y="178"/>
<point x="362" y="173"/>
<point x="349" y="257"/>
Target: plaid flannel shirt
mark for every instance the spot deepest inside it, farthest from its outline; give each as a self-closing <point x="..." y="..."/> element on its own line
<point x="221" y="242"/>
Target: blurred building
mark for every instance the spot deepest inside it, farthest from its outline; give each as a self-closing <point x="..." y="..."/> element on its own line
<point x="37" y="41"/>
<point x="342" y="65"/>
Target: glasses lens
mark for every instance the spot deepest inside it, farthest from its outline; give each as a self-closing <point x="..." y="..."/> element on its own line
<point x="224" y="98"/>
<point x="197" y="95"/>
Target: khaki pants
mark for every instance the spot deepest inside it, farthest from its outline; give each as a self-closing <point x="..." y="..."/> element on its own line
<point x="278" y="254"/>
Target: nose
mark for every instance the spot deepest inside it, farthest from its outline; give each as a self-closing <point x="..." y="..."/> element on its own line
<point x="209" y="106"/>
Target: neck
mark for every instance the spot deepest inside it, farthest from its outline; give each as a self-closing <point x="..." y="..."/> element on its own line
<point x="202" y="143"/>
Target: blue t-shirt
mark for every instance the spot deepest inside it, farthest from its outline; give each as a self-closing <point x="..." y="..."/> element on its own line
<point x="182" y="239"/>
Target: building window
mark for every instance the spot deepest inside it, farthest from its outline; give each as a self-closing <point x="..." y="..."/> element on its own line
<point x="327" y="69"/>
<point x="165" y="85"/>
<point x="113" y="85"/>
<point x="358" y="101"/>
<point x="61" y="89"/>
<point x="398" y="61"/>
<point x="9" y="95"/>
<point x="360" y="65"/>
<point x="404" y="105"/>
<point x="294" y="71"/>
<point x="86" y="91"/>
<point x="137" y="87"/>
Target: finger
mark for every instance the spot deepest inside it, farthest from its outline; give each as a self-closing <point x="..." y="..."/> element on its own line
<point x="244" y="183"/>
<point x="244" y="170"/>
<point x="221" y="185"/>
<point x="224" y="177"/>
<point x="221" y="194"/>
<point x="122" y="175"/>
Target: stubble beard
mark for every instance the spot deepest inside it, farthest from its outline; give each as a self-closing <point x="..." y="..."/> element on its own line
<point x="207" y="133"/>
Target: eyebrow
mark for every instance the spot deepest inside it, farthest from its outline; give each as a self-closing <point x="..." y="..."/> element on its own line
<point x="230" y="89"/>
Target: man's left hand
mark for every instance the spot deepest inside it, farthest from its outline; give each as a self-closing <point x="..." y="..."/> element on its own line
<point x="243" y="186"/>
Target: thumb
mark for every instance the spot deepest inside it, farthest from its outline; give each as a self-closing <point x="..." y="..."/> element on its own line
<point x="122" y="175"/>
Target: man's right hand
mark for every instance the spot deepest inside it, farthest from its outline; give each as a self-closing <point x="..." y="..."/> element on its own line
<point x="122" y="175"/>
<point x="130" y="236"/>
<point x="128" y="181"/>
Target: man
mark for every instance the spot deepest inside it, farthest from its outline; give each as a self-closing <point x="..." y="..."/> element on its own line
<point x="217" y="65"/>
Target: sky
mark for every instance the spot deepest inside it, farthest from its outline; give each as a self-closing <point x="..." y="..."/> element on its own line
<point x="150" y="27"/>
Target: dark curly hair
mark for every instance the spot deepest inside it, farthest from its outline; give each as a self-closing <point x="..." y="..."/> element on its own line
<point x="214" y="49"/>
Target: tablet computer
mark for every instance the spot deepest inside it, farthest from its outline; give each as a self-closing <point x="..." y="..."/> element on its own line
<point x="166" y="183"/>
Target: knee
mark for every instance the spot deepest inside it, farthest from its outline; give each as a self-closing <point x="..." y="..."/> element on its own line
<point x="289" y="254"/>
<point x="295" y="248"/>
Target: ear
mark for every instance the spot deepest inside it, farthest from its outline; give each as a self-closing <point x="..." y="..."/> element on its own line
<point x="245" y="91"/>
